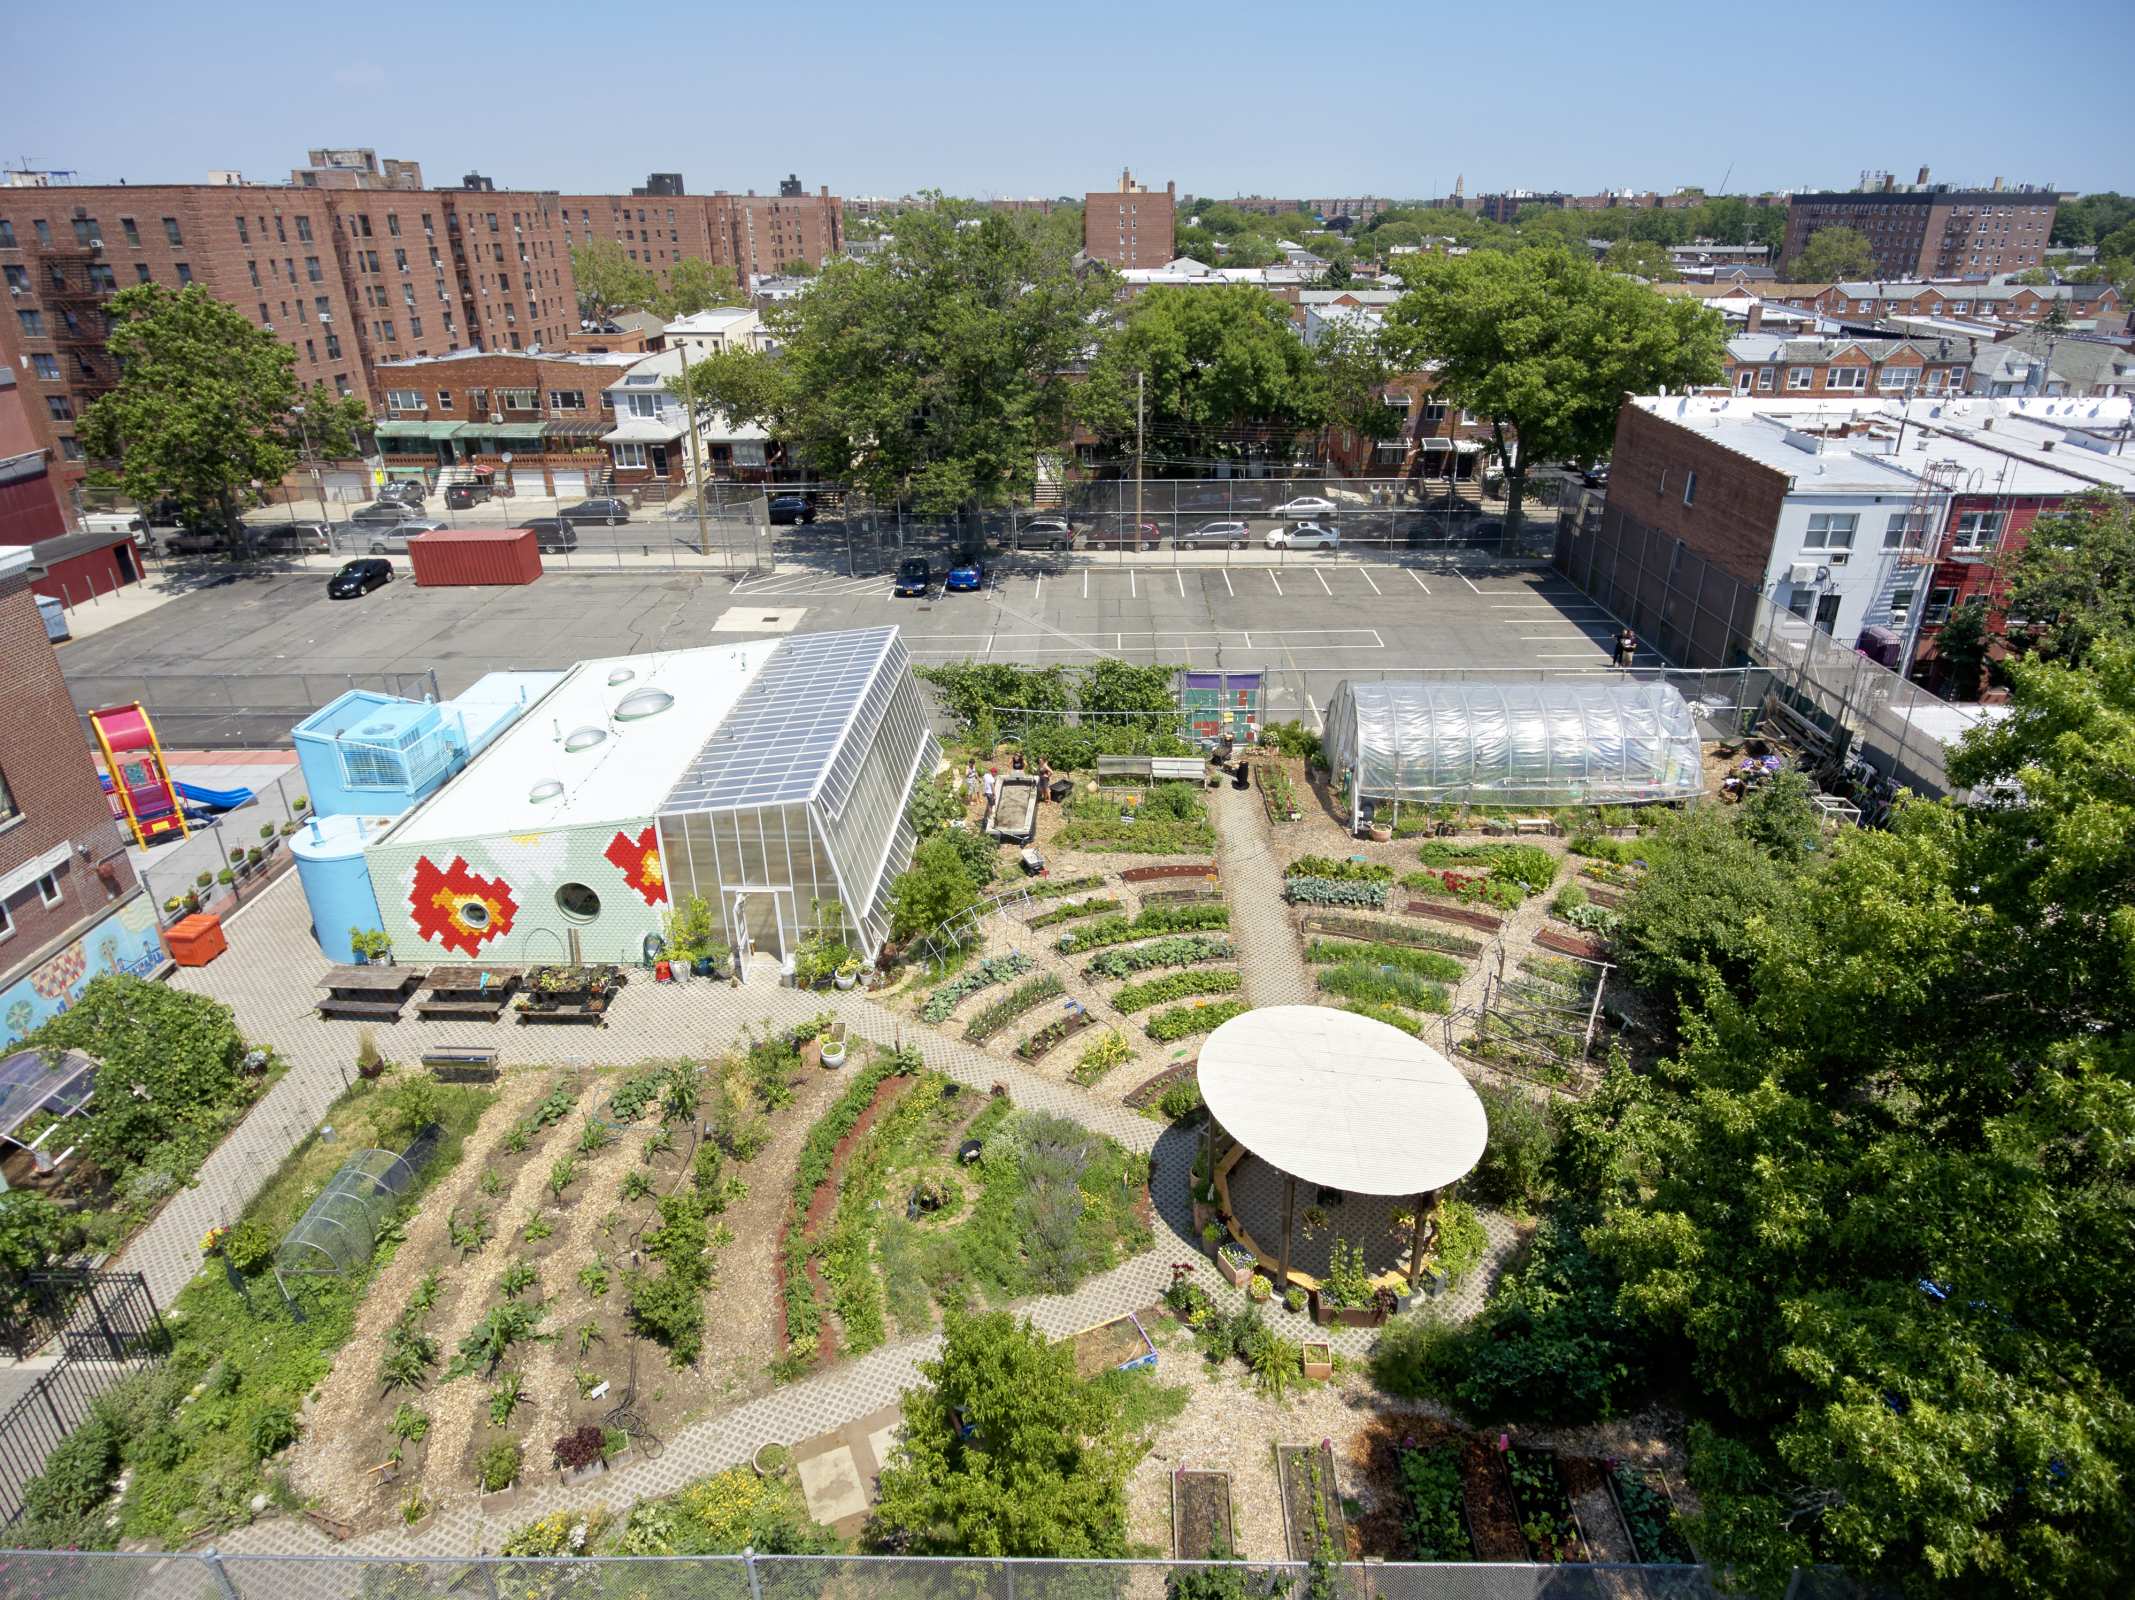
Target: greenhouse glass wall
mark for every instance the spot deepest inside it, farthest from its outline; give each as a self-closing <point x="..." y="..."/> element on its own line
<point x="1559" y="742"/>
<point x="797" y="802"/>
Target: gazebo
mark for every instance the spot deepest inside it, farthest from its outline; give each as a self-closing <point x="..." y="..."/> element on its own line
<point x="1351" y="1105"/>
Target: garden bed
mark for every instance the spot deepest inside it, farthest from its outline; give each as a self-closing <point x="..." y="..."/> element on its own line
<point x="1446" y="911"/>
<point x="1493" y="1514"/>
<point x="1646" y="1504"/>
<point x="1056" y="1032"/>
<point x="1000" y="1013"/>
<point x="1547" y="1521"/>
<point x="1151" y="1090"/>
<point x="1201" y="1516"/>
<point x="1311" y="1503"/>
<point x="1567" y="943"/>
<point x="1185" y="869"/>
<point x="1113" y="1345"/>
<point x="1375" y="930"/>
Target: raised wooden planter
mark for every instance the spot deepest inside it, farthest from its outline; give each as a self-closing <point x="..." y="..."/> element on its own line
<point x="1201" y="1516"/>
<point x="1236" y="1272"/>
<point x="1152" y="1090"/>
<point x="1295" y="1470"/>
<point x="1568" y="944"/>
<point x="1184" y="870"/>
<point x="1053" y="1034"/>
<point x="1441" y="911"/>
<point x="1328" y="1316"/>
<point x="1319" y="1360"/>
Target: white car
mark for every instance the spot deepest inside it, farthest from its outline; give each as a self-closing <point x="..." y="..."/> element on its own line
<point x="1305" y="536"/>
<point x="1305" y="505"/>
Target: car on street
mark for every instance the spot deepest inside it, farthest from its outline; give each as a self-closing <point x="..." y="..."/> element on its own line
<point x="290" y="538"/>
<point x="395" y="539"/>
<point x="1045" y="533"/>
<point x="194" y="541"/>
<point x="552" y="535"/>
<point x="382" y="511"/>
<point x="1233" y="534"/>
<point x="1305" y="505"/>
<point x="359" y="577"/>
<point x="914" y="577"/>
<point x="1596" y="477"/>
<point x="408" y="491"/>
<point x="966" y="576"/>
<point x="608" y="513"/>
<point x="1118" y="536"/>
<point x="788" y="509"/>
<point x="1305" y="536"/>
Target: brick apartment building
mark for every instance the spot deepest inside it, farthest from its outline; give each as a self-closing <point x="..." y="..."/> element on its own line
<point x="356" y="169"/>
<point x="1131" y="226"/>
<point x="1932" y="231"/>
<point x="346" y="275"/>
<point x="70" y="906"/>
<point x="1767" y="364"/>
<point x="468" y="408"/>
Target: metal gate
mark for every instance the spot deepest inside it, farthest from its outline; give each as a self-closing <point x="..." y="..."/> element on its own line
<point x="102" y="1315"/>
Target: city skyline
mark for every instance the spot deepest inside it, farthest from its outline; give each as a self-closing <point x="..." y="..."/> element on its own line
<point x="977" y="102"/>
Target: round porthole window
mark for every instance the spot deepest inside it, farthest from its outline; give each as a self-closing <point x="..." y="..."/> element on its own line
<point x="584" y="738"/>
<point x="578" y="902"/>
<point x="645" y="702"/>
<point x="474" y="913"/>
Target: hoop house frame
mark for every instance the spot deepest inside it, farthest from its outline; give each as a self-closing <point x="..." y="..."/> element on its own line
<point x="1552" y="743"/>
<point x="339" y="1230"/>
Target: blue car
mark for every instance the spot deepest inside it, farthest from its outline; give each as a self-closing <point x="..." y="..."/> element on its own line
<point x="965" y="577"/>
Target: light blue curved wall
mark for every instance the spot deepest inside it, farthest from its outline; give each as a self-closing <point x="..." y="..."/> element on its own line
<point x="337" y="884"/>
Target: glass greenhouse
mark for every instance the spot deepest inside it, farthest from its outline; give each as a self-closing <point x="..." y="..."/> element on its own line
<point x="1559" y="742"/>
<point x="796" y="802"/>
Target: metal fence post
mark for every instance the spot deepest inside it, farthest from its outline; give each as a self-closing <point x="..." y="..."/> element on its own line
<point x="213" y="1559"/>
<point x="756" y="1583"/>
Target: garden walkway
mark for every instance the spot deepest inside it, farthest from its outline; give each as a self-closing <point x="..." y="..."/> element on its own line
<point x="1274" y="968"/>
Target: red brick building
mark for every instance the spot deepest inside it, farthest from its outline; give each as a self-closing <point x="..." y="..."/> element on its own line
<point x="751" y="235"/>
<point x="1932" y="231"/>
<point x="469" y="408"/>
<point x="1130" y="226"/>
<point x="1759" y="363"/>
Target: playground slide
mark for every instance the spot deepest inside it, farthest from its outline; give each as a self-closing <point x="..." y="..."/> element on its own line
<point x="213" y="799"/>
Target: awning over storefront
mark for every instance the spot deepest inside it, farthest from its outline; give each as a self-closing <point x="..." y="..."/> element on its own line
<point x="508" y="432"/>
<point x="417" y="430"/>
<point x="642" y="430"/>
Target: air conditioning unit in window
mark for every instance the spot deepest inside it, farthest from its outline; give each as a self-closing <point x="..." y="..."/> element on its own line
<point x="496" y="416"/>
<point x="1802" y="572"/>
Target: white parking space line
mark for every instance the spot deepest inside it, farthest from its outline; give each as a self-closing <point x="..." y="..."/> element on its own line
<point x="1366" y="574"/>
<point x="1571" y="655"/>
<point x="1040" y="595"/>
<point x="1426" y="588"/>
<point x="1323" y="580"/>
<point x="1227" y="589"/>
<point x="1464" y="578"/>
<point x="1131" y="589"/>
<point x="1176" y="573"/>
<point x="1086" y="583"/>
<point x="1276" y="581"/>
<point x="1313" y="707"/>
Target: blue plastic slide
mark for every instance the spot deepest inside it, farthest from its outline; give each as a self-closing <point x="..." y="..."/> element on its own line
<point x="213" y="799"/>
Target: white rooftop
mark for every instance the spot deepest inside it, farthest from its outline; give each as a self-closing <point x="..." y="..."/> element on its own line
<point x="603" y="736"/>
<point x="717" y="319"/>
<point x="1342" y="1101"/>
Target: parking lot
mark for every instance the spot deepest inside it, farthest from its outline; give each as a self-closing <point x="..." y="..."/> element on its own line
<point x="219" y="664"/>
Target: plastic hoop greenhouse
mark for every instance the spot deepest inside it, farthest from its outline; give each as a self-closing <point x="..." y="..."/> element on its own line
<point x="1554" y="743"/>
<point x="338" y="1231"/>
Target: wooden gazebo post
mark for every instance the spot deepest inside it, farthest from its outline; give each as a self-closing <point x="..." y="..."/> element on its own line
<point x="1289" y="1213"/>
<point x="1426" y="1206"/>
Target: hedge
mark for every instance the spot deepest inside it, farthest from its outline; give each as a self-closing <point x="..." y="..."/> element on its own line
<point x="1184" y="950"/>
<point x="1174" y="986"/>
<point x="1188" y="917"/>
<point x="1423" y="963"/>
<point x="993" y="970"/>
<point x="1012" y="1005"/>
<point x="1182" y="1022"/>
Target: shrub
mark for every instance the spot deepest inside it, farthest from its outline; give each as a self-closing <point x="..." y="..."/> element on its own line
<point x="1292" y="739"/>
<point x="273" y="1428"/>
<point x="1180" y="1100"/>
<point x="1568" y="899"/>
<point x="1334" y="892"/>
<point x="1462" y="1243"/>
<point x="1514" y="1170"/>
<point x="1183" y="1022"/>
<point x="987" y="973"/>
<point x="1386" y="985"/>
<point x="1174" y="986"/>
<point x="249" y="1246"/>
<point x="934" y="888"/>
<point x="1156" y="919"/>
<point x="1012" y="1005"/>
<point x="668" y="1308"/>
<point x="498" y="1466"/>
<point x="1600" y="847"/>
<point x="1184" y="951"/>
<point x="1423" y="963"/>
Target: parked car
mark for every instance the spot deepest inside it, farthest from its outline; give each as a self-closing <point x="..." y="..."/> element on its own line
<point x="1233" y="534"/>
<point x="1305" y="536"/>
<point x="382" y="511"/>
<point x="1046" y="533"/>
<point x="396" y="537"/>
<point x="1305" y="505"/>
<point x="359" y="577"/>
<point x="608" y="513"/>
<point x="194" y="541"/>
<point x="552" y="535"/>
<point x="966" y="576"/>
<point x="787" y="509"/>
<point x="1118" y="536"/>
<point x="408" y="491"/>
<point x="914" y="577"/>
<point x="1596" y="477"/>
<point x="466" y="496"/>
<point x="290" y="538"/>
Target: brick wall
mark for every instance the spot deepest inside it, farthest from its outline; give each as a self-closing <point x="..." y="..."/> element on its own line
<point x="1735" y="513"/>
<point x="1133" y="229"/>
<point x="56" y="799"/>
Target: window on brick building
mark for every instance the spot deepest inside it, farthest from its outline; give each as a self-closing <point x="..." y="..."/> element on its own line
<point x="311" y="351"/>
<point x="45" y="367"/>
<point x="1690" y="488"/>
<point x="1744" y="378"/>
<point x="7" y="234"/>
<point x="18" y="279"/>
<point x="477" y="399"/>
<point x="388" y="325"/>
<point x="185" y="274"/>
<point x="341" y="383"/>
<point x="141" y="272"/>
<point x="60" y="406"/>
<point x="133" y="232"/>
<point x="404" y="399"/>
<point x="86" y="231"/>
<point x="1843" y="379"/>
<point x="333" y="347"/>
<point x="429" y="227"/>
<point x="1979" y="530"/>
<point x="265" y="320"/>
<point x="172" y="232"/>
<point x="518" y="399"/>
<point x="490" y="217"/>
<point x="1939" y="602"/>
<point x="400" y="260"/>
<point x="70" y="447"/>
<point x="444" y="399"/>
<point x="43" y="230"/>
<point x="48" y="889"/>
<point x="392" y="223"/>
<point x="32" y="323"/>
<point x="9" y="811"/>
<point x="567" y="400"/>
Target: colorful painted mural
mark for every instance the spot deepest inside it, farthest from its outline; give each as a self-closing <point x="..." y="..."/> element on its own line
<point x="457" y="908"/>
<point x="126" y="941"/>
<point x="637" y="858"/>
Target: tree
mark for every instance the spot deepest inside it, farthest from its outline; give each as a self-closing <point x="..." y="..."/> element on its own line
<point x="695" y="285"/>
<point x="932" y="890"/>
<point x="608" y="280"/>
<point x="1043" y="1469"/>
<point x="202" y="407"/>
<point x="730" y="385"/>
<point x="1641" y="258"/>
<point x="2075" y="576"/>
<point x="2089" y="218"/>
<point x="1354" y="368"/>
<point x="2035" y="277"/>
<point x="932" y="373"/>
<point x="1833" y="255"/>
<point x="1962" y="645"/>
<point x="1545" y="345"/>
<point x="331" y="427"/>
<point x="1221" y="363"/>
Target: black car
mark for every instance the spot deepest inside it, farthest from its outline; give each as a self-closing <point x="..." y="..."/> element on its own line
<point x="914" y="576"/>
<point x="610" y="513"/>
<point x="552" y="535"/>
<point x="787" y="509"/>
<point x="408" y="491"/>
<point x="359" y="578"/>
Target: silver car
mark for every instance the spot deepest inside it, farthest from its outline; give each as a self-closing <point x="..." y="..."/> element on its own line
<point x="1233" y="534"/>
<point x="394" y="540"/>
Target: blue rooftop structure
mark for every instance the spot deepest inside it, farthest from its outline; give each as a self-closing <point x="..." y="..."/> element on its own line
<point x="374" y="754"/>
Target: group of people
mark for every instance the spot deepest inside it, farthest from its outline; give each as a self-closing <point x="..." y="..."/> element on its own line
<point x="983" y="786"/>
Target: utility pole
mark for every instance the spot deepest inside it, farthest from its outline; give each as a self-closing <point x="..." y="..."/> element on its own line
<point x="318" y="487"/>
<point x="696" y="472"/>
<point x="1134" y="535"/>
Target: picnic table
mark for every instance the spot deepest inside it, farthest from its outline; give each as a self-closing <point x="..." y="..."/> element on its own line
<point x="468" y="994"/>
<point x="367" y="994"/>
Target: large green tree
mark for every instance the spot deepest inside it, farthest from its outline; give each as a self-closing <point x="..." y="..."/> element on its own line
<point x="933" y="373"/>
<point x="608" y="281"/>
<point x="1223" y="365"/>
<point x="1882" y="1196"/>
<point x="1641" y="258"/>
<point x="1833" y="255"/>
<point x="695" y="285"/>
<point x="2075" y="576"/>
<point x="1544" y="345"/>
<point x="202" y="407"/>
<point x="1042" y="1470"/>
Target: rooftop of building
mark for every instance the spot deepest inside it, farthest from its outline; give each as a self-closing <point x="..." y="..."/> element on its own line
<point x="715" y="319"/>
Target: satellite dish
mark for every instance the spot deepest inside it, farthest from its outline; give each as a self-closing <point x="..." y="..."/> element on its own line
<point x="506" y="458"/>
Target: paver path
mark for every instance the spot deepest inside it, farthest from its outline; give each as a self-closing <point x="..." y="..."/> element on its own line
<point x="1274" y="968"/>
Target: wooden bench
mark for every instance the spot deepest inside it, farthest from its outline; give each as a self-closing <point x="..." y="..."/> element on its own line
<point x="335" y="1005"/>
<point x="369" y="993"/>
<point x="1175" y="769"/>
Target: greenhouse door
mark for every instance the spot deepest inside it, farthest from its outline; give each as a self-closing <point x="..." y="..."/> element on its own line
<point x="760" y="921"/>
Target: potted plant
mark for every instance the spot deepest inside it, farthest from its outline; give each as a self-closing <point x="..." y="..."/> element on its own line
<point x="498" y="1472"/>
<point x="268" y="838"/>
<point x="770" y="1460"/>
<point x="1236" y="1263"/>
<point x="203" y="880"/>
<point x="1319" y="1360"/>
<point x="833" y="1046"/>
<point x="370" y="946"/>
<point x="1259" y="1290"/>
<point x="847" y="973"/>
<point x="226" y="877"/>
<point x="1346" y="1295"/>
<point x="1211" y="1236"/>
<point x="1293" y="1299"/>
<point x="581" y="1454"/>
<point x="299" y="805"/>
<point x="416" y="1513"/>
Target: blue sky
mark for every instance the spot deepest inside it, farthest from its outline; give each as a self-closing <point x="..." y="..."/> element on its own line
<point x="1015" y="99"/>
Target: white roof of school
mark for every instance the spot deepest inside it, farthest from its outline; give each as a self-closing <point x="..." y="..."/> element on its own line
<point x="1342" y="1101"/>
<point x="604" y="745"/>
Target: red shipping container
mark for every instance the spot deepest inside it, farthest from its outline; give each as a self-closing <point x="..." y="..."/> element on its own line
<point x="463" y="556"/>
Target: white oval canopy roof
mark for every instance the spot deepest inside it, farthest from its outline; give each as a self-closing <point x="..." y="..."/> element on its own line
<point x="1342" y="1101"/>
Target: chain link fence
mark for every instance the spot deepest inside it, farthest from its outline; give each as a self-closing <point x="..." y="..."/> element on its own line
<point x="232" y="710"/>
<point x="208" y="1576"/>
